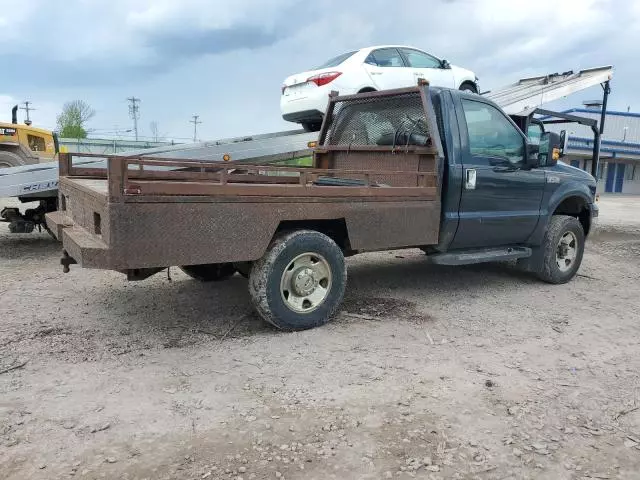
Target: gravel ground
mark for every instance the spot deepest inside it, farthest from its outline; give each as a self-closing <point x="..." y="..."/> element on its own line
<point x="429" y="372"/>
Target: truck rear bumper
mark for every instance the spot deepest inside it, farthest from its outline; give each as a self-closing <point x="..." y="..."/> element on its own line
<point x="84" y="248"/>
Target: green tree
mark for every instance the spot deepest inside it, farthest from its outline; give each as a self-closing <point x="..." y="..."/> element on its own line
<point x="73" y="119"/>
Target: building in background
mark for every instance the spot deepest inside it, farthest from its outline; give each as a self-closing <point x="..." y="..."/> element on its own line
<point x="619" y="168"/>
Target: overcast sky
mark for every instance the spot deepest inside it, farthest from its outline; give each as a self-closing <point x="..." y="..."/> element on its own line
<point x="226" y="60"/>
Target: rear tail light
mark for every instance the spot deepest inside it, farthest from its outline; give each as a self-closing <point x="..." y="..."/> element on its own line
<point x="324" y="78"/>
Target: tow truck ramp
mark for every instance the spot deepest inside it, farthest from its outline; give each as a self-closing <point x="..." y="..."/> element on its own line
<point x="42" y="179"/>
<point x="519" y="98"/>
<point x="527" y="94"/>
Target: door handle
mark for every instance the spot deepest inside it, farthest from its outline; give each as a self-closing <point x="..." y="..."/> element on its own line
<point x="505" y="169"/>
<point x="470" y="177"/>
<point x="376" y="73"/>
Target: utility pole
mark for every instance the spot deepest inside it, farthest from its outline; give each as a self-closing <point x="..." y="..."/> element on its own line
<point x="195" y="122"/>
<point x="27" y="109"/>
<point x="134" y="113"/>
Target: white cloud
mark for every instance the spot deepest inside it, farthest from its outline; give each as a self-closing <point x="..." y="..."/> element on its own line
<point x="151" y="15"/>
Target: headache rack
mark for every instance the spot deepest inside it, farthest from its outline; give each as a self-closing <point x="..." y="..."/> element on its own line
<point x="373" y="145"/>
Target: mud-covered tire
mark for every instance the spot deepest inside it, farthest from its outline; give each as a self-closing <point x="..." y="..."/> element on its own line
<point x="209" y="272"/>
<point x="269" y="275"/>
<point x="9" y="159"/>
<point x="560" y="227"/>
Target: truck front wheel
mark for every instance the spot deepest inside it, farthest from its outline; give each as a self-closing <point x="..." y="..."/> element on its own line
<point x="209" y="272"/>
<point x="562" y="250"/>
<point x="300" y="281"/>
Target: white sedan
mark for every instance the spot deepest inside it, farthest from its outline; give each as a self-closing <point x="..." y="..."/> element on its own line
<point x="305" y="95"/>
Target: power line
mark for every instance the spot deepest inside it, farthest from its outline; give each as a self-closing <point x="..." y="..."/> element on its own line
<point x="27" y="109"/>
<point x="195" y="122"/>
<point x="134" y="113"/>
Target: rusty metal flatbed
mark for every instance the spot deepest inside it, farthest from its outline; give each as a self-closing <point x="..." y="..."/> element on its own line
<point x="369" y="189"/>
<point x="137" y="219"/>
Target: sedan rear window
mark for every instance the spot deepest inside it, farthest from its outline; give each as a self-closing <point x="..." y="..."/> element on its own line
<point x="335" y="61"/>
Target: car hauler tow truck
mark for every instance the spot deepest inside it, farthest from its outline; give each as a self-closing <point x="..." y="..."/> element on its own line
<point x="442" y="170"/>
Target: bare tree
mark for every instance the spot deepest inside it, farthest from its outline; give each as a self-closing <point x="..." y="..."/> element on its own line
<point x="73" y="119"/>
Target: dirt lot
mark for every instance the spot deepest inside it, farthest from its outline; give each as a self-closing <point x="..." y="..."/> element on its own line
<point x="428" y="372"/>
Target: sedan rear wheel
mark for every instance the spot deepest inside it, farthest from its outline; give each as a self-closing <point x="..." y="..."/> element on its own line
<point x="468" y="87"/>
<point x="312" y="126"/>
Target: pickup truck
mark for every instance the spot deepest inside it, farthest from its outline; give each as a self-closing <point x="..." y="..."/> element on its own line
<point x="432" y="168"/>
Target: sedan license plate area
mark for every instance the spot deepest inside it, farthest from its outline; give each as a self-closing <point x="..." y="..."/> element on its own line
<point x="297" y="90"/>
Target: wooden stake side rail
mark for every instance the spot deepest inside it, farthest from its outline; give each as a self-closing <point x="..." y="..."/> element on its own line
<point x="243" y="179"/>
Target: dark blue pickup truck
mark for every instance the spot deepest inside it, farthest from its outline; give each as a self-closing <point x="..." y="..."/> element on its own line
<point x="504" y="194"/>
<point x="437" y="169"/>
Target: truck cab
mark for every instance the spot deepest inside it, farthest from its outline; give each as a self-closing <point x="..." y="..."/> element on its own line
<point x="503" y="186"/>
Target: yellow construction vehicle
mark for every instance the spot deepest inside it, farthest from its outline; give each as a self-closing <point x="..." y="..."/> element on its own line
<point x="24" y="144"/>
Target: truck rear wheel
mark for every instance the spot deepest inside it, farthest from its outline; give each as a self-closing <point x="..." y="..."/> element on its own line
<point x="209" y="272"/>
<point x="9" y="159"/>
<point x="300" y="281"/>
<point x="562" y="250"/>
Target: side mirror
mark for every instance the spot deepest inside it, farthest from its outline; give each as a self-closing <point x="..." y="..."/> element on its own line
<point x="563" y="141"/>
<point x="533" y="155"/>
<point x="445" y="64"/>
<point x="550" y="149"/>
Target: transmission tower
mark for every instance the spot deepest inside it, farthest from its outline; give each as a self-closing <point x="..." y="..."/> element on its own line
<point x="134" y="113"/>
<point x="27" y="109"/>
<point x="195" y="122"/>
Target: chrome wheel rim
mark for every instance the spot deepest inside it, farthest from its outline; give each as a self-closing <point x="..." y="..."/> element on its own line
<point x="566" y="251"/>
<point x="306" y="282"/>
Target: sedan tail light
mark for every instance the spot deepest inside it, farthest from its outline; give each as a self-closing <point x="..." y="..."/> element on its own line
<point x="324" y="78"/>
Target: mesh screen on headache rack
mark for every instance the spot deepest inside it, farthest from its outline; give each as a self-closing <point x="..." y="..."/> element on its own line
<point x="393" y="120"/>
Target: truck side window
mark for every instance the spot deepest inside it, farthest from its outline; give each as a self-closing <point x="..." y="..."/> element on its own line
<point x="491" y="134"/>
<point x="534" y="132"/>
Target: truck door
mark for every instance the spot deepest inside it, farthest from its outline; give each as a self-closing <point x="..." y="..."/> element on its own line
<point x="501" y="196"/>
